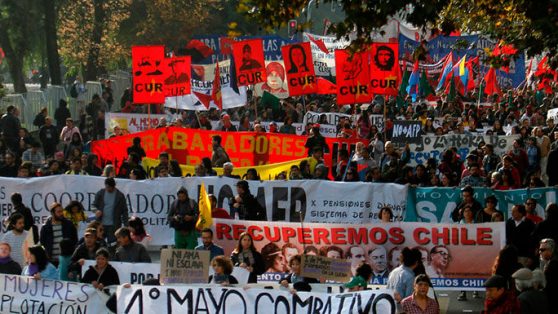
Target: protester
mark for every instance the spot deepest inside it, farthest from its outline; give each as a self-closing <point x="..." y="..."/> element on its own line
<point x="75" y="213"/>
<point x="401" y="278"/>
<point x="102" y="274"/>
<point x="110" y="208"/>
<point x="38" y="265"/>
<point x="182" y="217"/>
<point x="518" y="232"/>
<point x="223" y="268"/>
<point x="208" y="245"/>
<point x="498" y="298"/>
<point x="294" y="277"/>
<point x="84" y="251"/>
<point x="419" y="302"/>
<point x="362" y="276"/>
<point x="15" y="237"/>
<point x="7" y="265"/>
<point x="531" y="300"/>
<point x="549" y="265"/>
<point x="54" y="230"/>
<point x="128" y="250"/>
<point x="246" y="256"/>
<point x="246" y="205"/>
<point x="67" y="247"/>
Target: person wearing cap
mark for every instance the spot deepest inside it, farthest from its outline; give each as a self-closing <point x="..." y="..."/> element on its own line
<point x="467" y="195"/>
<point x="530" y="299"/>
<point x="219" y="155"/>
<point x="182" y="217"/>
<point x="84" y="251"/>
<point x="419" y="302"/>
<point x="498" y="298"/>
<point x="316" y="140"/>
<point x="359" y="281"/>
<point x="246" y="205"/>
<point x="110" y="209"/>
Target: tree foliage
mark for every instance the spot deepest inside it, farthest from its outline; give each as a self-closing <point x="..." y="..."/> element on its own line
<point x="531" y="26"/>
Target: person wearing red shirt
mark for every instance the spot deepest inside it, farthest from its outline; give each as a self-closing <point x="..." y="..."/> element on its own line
<point x="531" y="207"/>
<point x="217" y="212"/>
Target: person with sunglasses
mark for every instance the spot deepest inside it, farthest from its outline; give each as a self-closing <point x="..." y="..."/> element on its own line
<point x="438" y="261"/>
<point x="549" y="265"/>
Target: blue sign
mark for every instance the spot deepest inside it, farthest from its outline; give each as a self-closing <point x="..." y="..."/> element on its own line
<point x="440" y="46"/>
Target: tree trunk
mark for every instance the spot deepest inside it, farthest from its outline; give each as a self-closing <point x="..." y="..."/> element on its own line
<point x="52" y="43"/>
<point x="92" y="67"/>
<point x="15" y="61"/>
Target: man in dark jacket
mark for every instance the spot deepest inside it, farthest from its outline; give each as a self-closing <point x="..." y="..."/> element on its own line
<point x="48" y="134"/>
<point x="182" y="217"/>
<point x="19" y="207"/>
<point x="111" y="209"/>
<point x="316" y="140"/>
<point x="246" y="205"/>
<point x="128" y="250"/>
<point x="10" y="125"/>
<point x="85" y="251"/>
<point x="54" y="230"/>
<point x="518" y="233"/>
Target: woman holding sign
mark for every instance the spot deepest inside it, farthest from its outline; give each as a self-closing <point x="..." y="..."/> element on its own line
<point x="246" y="256"/>
<point x="299" y="283"/>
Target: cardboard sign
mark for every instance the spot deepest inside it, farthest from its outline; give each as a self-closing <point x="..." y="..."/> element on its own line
<point x="315" y="266"/>
<point x="184" y="266"/>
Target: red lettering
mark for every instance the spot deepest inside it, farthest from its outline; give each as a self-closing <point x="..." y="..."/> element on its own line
<point x="321" y="236"/>
<point x="442" y="236"/>
<point x="418" y="236"/>
<point x="304" y="235"/>
<point x="273" y="238"/>
<point x="250" y="78"/>
<point x="252" y="231"/>
<point x="223" y="231"/>
<point x="454" y="236"/>
<point x="359" y="236"/>
<point x="288" y="233"/>
<point x="484" y="236"/>
<point x="465" y="237"/>
<point x="374" y="232"/>
<point x="338" y="236"/>
<point x="396" y="236"/>
<point x="237" y="230"/>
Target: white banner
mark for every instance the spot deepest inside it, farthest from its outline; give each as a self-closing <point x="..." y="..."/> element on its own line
<point x="319" y="201"/>
<point x="203" y="84"/>
<point x="133" y="273"/>
<point x="217" y="299"/>
<point x="28" y="295"/>
<point x="324" y="63"/>
<point x="434" y="146"/>
<point x="130" y="122"/>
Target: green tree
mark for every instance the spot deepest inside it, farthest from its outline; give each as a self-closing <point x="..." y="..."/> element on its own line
<point x="51" y="39"/>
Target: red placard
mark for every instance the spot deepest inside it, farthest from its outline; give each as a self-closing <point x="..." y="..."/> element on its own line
<point x="225" y="44"/>
<point x="177" y="80"/>
<point x="384" y="68"/>
<point x="353" y="77"/>
<point x="148" y="67"/>
<point x="249" y="61"/>
<point x="300" y="69"/>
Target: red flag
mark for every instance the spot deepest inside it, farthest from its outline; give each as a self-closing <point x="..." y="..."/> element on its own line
<point x="384" y="68"/>
<point x="225" y="44"/>
<point x="216" y="89"/>
<point x="320" y="43"/>
<point x="149" y="72"/>
<point x="353" y="77"/>
<point x="300" y="69"/>
<point x="325" y="87"/>
<point x="249" y="61"/>
<point x="2" y="55"/>
<point x="545" y="75"/>
<point x="491" y="84"/>
<point x="199" y="46"/>
<point x="177" y="82"/>
<point x="204" y="99"/>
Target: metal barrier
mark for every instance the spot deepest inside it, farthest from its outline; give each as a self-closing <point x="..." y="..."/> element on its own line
<point x="119" y="85"/>
<point x="19" y="102"/>
<point x="53" y="95"/>
<point x="35" y="101"/>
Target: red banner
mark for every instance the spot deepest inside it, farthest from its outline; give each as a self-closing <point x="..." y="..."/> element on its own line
<point x="300" y="69"/>
<point x="225" y="43"/>
<point x="177" y="81"/>
<point x="249" y="61"/>
<point x="384" y="68"/>
<point x="149" y="69"/>
<point x="353" y="77"/>
<point x="189" y="146"/>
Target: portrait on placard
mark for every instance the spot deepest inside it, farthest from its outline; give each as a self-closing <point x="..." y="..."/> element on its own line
<point x="276" y="80"/>
<point x="249" y="61"/>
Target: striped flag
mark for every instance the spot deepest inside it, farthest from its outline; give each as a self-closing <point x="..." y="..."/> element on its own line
<point x="204" y="220"/>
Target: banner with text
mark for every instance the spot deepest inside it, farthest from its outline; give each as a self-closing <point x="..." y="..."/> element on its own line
<point x="437" y="204"/>
<point x="130" y="122"/>
<point x="324" y="62"/>
<point x="133" y="273"/>
<point x="212" y="299"/>
<point x="434" y="146"/>
<point x="316" y="200"/>
<point x="353" y="77"/>
<point x="406" y="132"/>
<point x="380" y="245"/>
<point x="22" y="294"/>
<point x="189" y="146"/>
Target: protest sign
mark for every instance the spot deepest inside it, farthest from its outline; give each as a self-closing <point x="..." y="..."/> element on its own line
<point x="352" y="242"/>
<point x="133" y="273"/>
<point x="324" y="63"/>
<point x="184" y="266"/>
<point x="300" y="73"/>
<point x="310" y="200"/>
<point x="384" y="68"/>
<point x="406" y="132"/>
<point x="436" y="204"/>
<point x="149" y="71"/>
<point x="130" y="122"/>
<point x="353" y="77"/>
<point x="212" y="299"/>
<point x="249" y="61"/>
<point x="276" y="82"/>
<point x="434" y="146"/>
<point x="315" y="266"/>
<point x="189" y="146"/>
<point x="22" y="294"/>
<point x="265" y="172"/>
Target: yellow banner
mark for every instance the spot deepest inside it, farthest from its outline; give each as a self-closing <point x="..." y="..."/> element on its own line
<point x="266" y="172"/>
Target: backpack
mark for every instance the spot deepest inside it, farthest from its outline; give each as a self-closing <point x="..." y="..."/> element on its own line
<point x="74" y="91"/>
